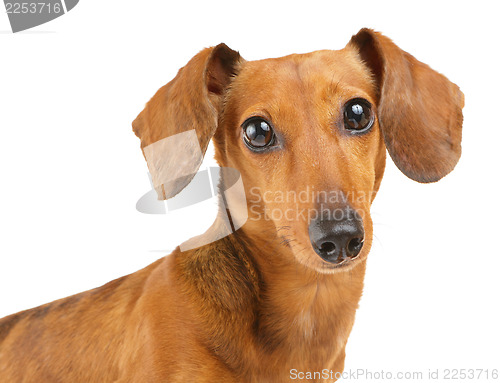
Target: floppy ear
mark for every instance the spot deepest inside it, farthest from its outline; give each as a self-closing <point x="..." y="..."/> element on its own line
<point x="177" y="124"/>
<point x="419" y="110"/>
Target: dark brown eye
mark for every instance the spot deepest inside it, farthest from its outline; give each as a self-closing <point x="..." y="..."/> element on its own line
<point x="257" y="133"/>
<point x="358" y="115"/>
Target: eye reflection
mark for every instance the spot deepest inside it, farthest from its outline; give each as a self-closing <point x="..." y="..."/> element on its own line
<point x="258" y="133"/>
<point x="358" y="115"/>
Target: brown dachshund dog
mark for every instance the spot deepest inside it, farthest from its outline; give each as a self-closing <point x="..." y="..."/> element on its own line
<point x="307" y="133"/>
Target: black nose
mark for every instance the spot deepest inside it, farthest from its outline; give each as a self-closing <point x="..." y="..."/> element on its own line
<point x="337" y="239"/>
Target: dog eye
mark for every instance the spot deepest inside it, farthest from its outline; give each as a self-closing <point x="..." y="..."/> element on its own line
<point x="358" y="115"/>
<point x="257" y="133"/>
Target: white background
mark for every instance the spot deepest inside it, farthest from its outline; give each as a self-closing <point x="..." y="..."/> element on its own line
<point x="72" y="170"/>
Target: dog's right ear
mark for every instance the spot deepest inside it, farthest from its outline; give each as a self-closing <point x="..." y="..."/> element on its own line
<point x="185" y="109"/>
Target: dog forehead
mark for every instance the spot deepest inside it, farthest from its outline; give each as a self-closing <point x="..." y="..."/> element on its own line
<point x="308" y="70"/>
<point x="294" y="84"/>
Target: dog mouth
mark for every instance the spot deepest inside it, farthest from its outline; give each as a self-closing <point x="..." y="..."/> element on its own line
<point x="343" y="264"/>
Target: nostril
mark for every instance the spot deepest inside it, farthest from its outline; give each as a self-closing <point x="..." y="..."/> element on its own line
<point x="354" y="247"/>
<point x="327" y="248"/>
<point x="337" y="241"/>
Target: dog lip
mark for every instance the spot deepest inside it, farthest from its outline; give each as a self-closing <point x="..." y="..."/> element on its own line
<point x="344" y="264"/>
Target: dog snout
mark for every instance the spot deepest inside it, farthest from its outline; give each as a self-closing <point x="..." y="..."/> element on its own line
<point x="337" y="239"/>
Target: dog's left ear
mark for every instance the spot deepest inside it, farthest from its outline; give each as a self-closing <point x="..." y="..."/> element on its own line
<point x="190" y="103"/>
<point x="419" y="110"/>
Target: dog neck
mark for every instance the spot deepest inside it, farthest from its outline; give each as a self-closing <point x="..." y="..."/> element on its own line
<point x="270" y="314"/>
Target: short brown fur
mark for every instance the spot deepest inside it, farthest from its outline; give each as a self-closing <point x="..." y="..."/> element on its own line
<point x="254" y="305"/>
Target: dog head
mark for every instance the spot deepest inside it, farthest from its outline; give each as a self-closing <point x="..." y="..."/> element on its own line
<point x="308" y="133"/>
